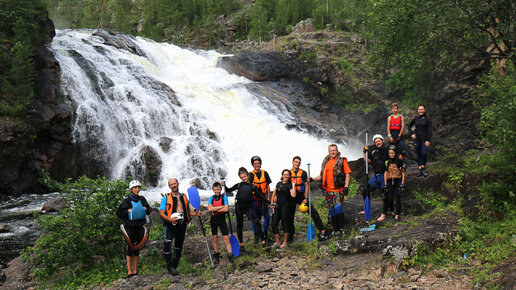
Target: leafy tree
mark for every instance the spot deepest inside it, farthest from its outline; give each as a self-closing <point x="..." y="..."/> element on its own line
<point x="416" y="38"/>
<point x="87" y="228"/>
<point x="496" y="98"/>
<point x="21" y="36"/>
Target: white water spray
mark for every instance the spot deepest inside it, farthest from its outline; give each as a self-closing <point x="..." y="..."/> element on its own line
<point x="216" y="127"/>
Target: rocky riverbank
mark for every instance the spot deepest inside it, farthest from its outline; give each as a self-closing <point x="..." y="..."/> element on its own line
<point x="350" y="260"/>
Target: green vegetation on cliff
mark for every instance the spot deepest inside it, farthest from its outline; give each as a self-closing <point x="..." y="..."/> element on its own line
<point x="20" y="37"/>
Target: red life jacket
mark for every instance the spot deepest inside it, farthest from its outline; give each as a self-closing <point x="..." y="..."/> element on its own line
<point x="216" y="203"/>
<point x="395" y="123"/>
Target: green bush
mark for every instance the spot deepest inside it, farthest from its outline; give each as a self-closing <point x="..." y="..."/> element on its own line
<point x="82" y="233"/>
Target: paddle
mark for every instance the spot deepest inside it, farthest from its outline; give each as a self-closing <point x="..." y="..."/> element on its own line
<point x="367" y="202"/>
<point x="195" y="200"/>
<point x="235" y="245"/>
<point x="310" y="231"/>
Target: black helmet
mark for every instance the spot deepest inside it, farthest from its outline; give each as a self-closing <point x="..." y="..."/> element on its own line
<point x="255" y="158"/>
<point x="392" y="147"/>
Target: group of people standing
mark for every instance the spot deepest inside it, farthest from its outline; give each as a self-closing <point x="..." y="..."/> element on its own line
<point x="254" y="200"/>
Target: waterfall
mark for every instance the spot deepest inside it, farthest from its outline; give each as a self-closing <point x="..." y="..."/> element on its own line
<point x="158" y="110"/>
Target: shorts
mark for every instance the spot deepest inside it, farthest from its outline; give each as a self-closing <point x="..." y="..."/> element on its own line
<point x="219" y="221"/>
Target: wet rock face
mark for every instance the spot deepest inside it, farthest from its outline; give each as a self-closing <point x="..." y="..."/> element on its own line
<point x="267" y="66"/>
<point x="44" y="141"/>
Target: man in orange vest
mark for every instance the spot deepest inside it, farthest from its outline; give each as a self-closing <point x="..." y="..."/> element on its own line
<point x="300" y="177"/>
<point x="335" y="176"/>
<point x="261" y="179"/>
<point x="175" y="212"/>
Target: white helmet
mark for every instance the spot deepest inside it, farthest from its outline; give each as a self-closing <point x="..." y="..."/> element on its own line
<point x="377" y="136"/>
<point x="134" y="183"/>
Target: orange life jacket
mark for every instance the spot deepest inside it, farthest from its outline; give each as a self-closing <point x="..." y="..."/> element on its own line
<point x="260" y="183"/>
<point x="297" y="177"/>
<point x="171" y="209"/>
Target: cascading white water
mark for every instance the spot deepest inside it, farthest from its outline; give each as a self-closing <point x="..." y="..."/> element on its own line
<point x="123" y="106"/>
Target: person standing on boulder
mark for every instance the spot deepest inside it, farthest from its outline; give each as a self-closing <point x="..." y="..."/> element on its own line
<point x="377" y="156"/>
<point x="300" y="178"/>
<point x="134" y="210"/>
<point x="395" y="127"/>
<point x="421" y="137"/>
<point x="335" y="176"/>
<point x="175" y="211"/>
<point x="261" y="179"/>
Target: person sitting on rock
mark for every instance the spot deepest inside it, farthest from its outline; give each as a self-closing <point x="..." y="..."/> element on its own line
<point x="218" y="205"/>
<point x="134" y="210"/>
<point x="394" y="178"/>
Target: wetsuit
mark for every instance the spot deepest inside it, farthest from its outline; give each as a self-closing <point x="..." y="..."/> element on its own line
<point x="378" y="156"/>
<point x="133" y="228"/>
<point x="244" y="200"/>
<point x="218" y="219"/>
<point x="300" y="196"/>
<point x="261" y="208"/>
<point x="423" y="133"/>
<point x="395" y="169"/>
<point x="285" y="205"/>
<point x="175" y="232"/>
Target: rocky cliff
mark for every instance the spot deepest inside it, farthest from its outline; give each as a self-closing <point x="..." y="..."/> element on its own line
<point x="44" y="140"/>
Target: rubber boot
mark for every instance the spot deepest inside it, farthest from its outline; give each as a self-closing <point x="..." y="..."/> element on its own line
<point x="424" y="173"/>
<point x="231" y="258"/>
<point x="172" y="266"/>
<point x="420" y="172"/>
<point x="216" y="257"/>
<point x="256" y="238"/>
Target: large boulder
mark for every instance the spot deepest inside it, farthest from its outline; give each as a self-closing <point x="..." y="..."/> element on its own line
<point x="266" y="66"/>
<point x="54" y="204"/>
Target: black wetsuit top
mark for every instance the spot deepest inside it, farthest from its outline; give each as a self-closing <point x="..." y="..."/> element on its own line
<point x="283" y="193"/>
<point x="378" y="156"/>
<point x="126" y="204"/>
<point x="245" y="192"/>
<point x="423" y="128"/>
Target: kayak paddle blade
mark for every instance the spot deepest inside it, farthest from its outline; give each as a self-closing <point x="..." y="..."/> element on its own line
<point x="193" y="196"/>
<point x="310" y="232"/>
<point x="367" y="209"/>
<point x="235" y="246"/>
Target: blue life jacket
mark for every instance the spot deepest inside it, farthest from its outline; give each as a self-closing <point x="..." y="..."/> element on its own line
<point x="138" y="212"/>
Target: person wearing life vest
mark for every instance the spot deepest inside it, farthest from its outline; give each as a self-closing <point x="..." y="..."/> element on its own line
<point x="261" y="179"/>
<point x="218" y="205"/>
<point x="246" y="192"/>
<point x="395" y="127"/>
<point x="175" y="211"/>
<point x="134" y="210"/>
<point x="394" y="178"/>
<point x="376" y="157"/>
<point x="300" y="178"/>
<point x="421" y="137"/>
<point x="335" y="176"/>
